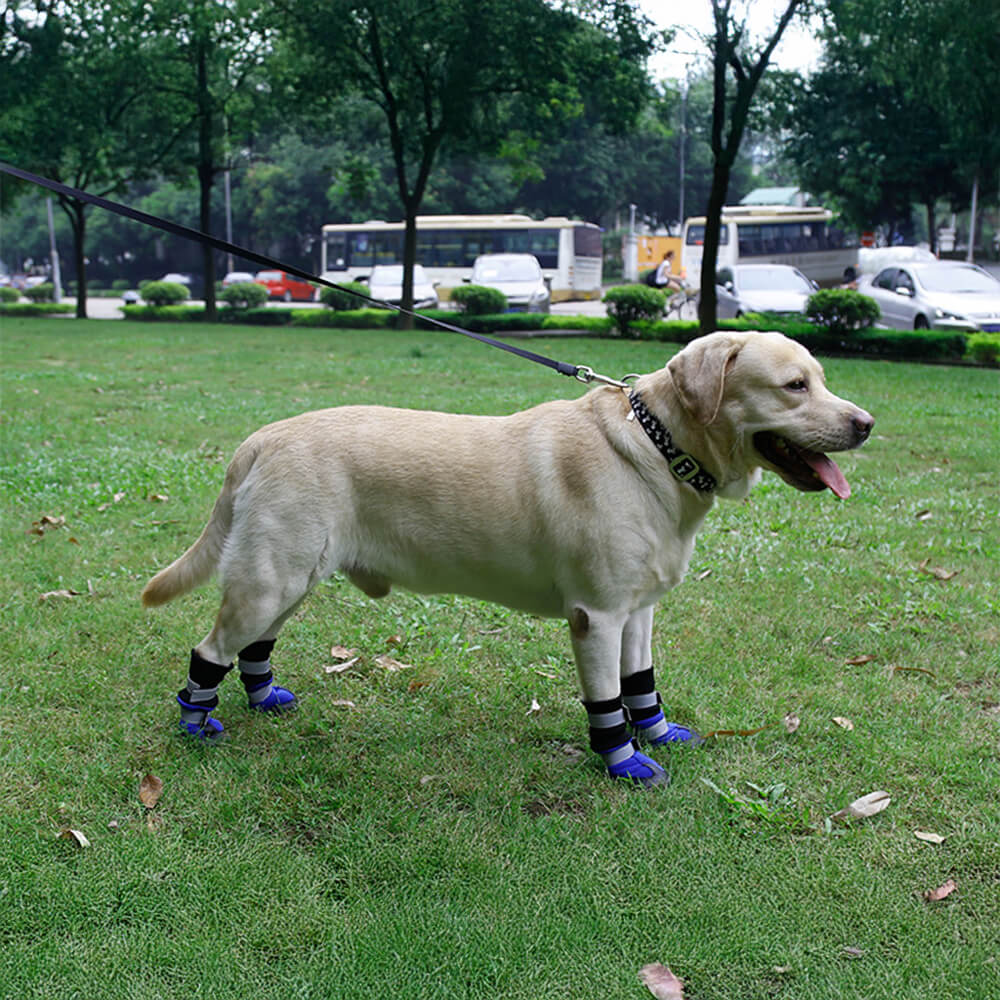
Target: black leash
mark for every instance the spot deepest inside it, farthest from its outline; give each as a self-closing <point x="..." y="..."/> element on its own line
<point x="580" y="372"/>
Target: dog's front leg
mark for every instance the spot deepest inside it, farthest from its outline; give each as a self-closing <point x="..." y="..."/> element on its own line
<point x="598" y="643"/>
<point x="640" y="698"/>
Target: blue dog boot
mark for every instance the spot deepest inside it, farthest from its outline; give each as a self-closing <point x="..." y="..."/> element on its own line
<point x="657" y="731"/>
<point x="197" y="723"/>
<point x="263" y="695"/>
<point x="626" y="762"/>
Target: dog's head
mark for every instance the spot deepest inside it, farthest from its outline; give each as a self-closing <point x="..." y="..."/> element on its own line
<point x="762" y="398"/>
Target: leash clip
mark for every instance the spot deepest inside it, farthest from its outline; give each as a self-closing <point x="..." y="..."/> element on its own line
<point x="587" y="375"/>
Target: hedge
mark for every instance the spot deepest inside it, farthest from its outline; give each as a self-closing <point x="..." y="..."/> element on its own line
<point x="984" y="349"/>
<point x="479" y="300"/>
<point x="36" y="308"/>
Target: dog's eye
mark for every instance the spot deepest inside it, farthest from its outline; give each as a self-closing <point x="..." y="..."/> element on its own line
<point x="797" y="385"/>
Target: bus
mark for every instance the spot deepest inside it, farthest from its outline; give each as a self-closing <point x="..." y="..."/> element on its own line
<point x="773" y="234"/>
<point x="569" y="251"/>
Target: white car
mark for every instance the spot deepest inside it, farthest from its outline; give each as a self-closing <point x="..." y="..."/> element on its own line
<point x="871" y="260"/>
<point x="767" y="288"/>
<point x="385" y="283"/>
<point x="237" y="278"/>
<point x="518" y="275"/>
<point x="939" y="295"/>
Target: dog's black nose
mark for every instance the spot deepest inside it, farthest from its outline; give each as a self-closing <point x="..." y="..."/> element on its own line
<point x="863" y="424"/>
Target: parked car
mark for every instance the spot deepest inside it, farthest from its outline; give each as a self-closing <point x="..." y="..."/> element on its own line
<point x="939" y="295"/>
<point x="237" y="278"/>
<point x="385" y="283"/>
<point x="518" y="276"/>
<point x="193" y="283"/>
<point x="871" y="260"/>
<point x="285" y="286"/>
<point x="772" y="288"/>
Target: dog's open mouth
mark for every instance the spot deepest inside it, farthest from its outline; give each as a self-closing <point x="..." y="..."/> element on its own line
<point x="804" y="469"/>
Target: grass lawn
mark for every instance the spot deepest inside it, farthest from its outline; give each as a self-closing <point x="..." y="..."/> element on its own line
<point x="423" y="832"/>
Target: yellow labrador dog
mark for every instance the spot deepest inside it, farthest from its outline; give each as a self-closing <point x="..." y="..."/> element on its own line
<point x="583" y="509"/>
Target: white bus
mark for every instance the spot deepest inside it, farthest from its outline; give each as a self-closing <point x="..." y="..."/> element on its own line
<point x="568" y="250"/>
<point x="773" y="234"/>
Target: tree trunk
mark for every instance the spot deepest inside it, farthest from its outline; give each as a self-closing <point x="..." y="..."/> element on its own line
<point x="206" y="172"/>
<point x="76" y="211"/>
<point x="931" y="229"/>
<point x="409" y="259"/>
<point x="974" y="208"/>
<point x="709" y="300"/>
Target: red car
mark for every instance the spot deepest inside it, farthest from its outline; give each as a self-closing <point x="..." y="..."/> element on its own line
<point x="281" y="285"/>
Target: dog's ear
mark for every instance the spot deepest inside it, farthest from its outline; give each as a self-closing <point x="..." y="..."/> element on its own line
<point x="699" y="374"/>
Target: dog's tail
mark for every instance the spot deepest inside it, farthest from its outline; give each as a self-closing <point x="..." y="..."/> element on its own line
<point x="201" y="560"/>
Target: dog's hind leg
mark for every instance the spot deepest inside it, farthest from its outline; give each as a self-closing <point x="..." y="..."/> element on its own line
<point x="640" y="698"/>
<point x="248" y="600"/>
<point x="597" y="646"/>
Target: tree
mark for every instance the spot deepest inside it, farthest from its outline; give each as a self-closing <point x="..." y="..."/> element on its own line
<point x="209" y="56"/>
<point x="731" y="100"/>
<point x="902" y="109"/>
<point x="444" y="74"/>
<point x="72" y="82"/>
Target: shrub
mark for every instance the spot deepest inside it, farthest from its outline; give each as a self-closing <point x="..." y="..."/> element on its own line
<point x="345" y="319"/>
<point x="164" y="293"/>
<point x="244" y="295"/>
<point x="842" y="310"/>
<point x="41" y="293"/>
<point x="478" y="300"/>
<point x="628" y="304"/>
<point x="120" y="285"/>
<point x="8" y="294"/>
<point x="340" y="299"/>
<point x="984" y="349"/>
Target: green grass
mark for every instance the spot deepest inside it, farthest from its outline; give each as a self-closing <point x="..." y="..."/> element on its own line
<point x="438" y="841"/>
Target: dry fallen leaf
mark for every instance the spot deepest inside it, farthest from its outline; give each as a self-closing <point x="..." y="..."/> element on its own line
<point x="76" y="836"/>
<point x="911" y="670"/>
<point x="737" y="732"/>
<point x="535" y="707"/>
<point x="59" y="594"/>
<point x="158" y="497"/>
<point x="928" y="837"/>
<point x="937" y="572"/>
<point x="843" y="722"/>
<point x="857" y="661"/>
<point x="342" y="652"/>
<point x="150" y="790"/>
<point x="661" y="982"/>
<point x="850" y="951"/>
<point x="394" y="640"/>
<point x="391" y="664"/>
<point x="923" y="515"/>
<point x="339" y="668"/>
<point x="703" y="575"/>
<point x="941" y="892"/>
<point x="791" y="722"/>
<point x="867" y="805"/>
<point x="343" y="703"/>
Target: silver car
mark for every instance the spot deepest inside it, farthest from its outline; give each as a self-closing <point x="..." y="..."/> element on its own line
<point x="940" y="295"/>
<point x="518" y="275"/>
<point x="385" y="283"/>
<point x="766" y="288"/>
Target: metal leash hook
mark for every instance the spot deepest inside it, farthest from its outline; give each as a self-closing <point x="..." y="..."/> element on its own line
<point x="587" y="375"/>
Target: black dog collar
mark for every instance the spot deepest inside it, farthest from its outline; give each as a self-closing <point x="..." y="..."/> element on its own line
<point x="684" y="467"/>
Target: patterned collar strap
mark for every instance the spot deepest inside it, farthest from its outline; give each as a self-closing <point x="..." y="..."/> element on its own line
<point x="684" y="467"/>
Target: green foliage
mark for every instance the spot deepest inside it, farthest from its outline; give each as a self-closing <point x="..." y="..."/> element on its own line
<point x="341" y="300"/>
<point x="628" y="304"/>
<point x="244" y="295"/>
<point x="8" y="294"/>
<point x="842" y="310"/>
<point x="34" y="308"/>
<point x="120" y="285"/>
<point x="345" y="319"/>
<point x="478" y="300"/>
<point x="984" y="349"/>
<point x="41" y="293"/>
<point x="164" y="293"/>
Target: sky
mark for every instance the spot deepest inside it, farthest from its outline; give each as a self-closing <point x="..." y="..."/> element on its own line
<point x="798" y="49"/>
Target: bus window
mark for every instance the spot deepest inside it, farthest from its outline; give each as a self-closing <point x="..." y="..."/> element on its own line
<point x="696" y="236"/>
<point x="336" y="252"/>
<point x="587" y="242"/>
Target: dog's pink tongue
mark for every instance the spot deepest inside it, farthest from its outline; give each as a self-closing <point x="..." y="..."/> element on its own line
<point x="829" y="473"/>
